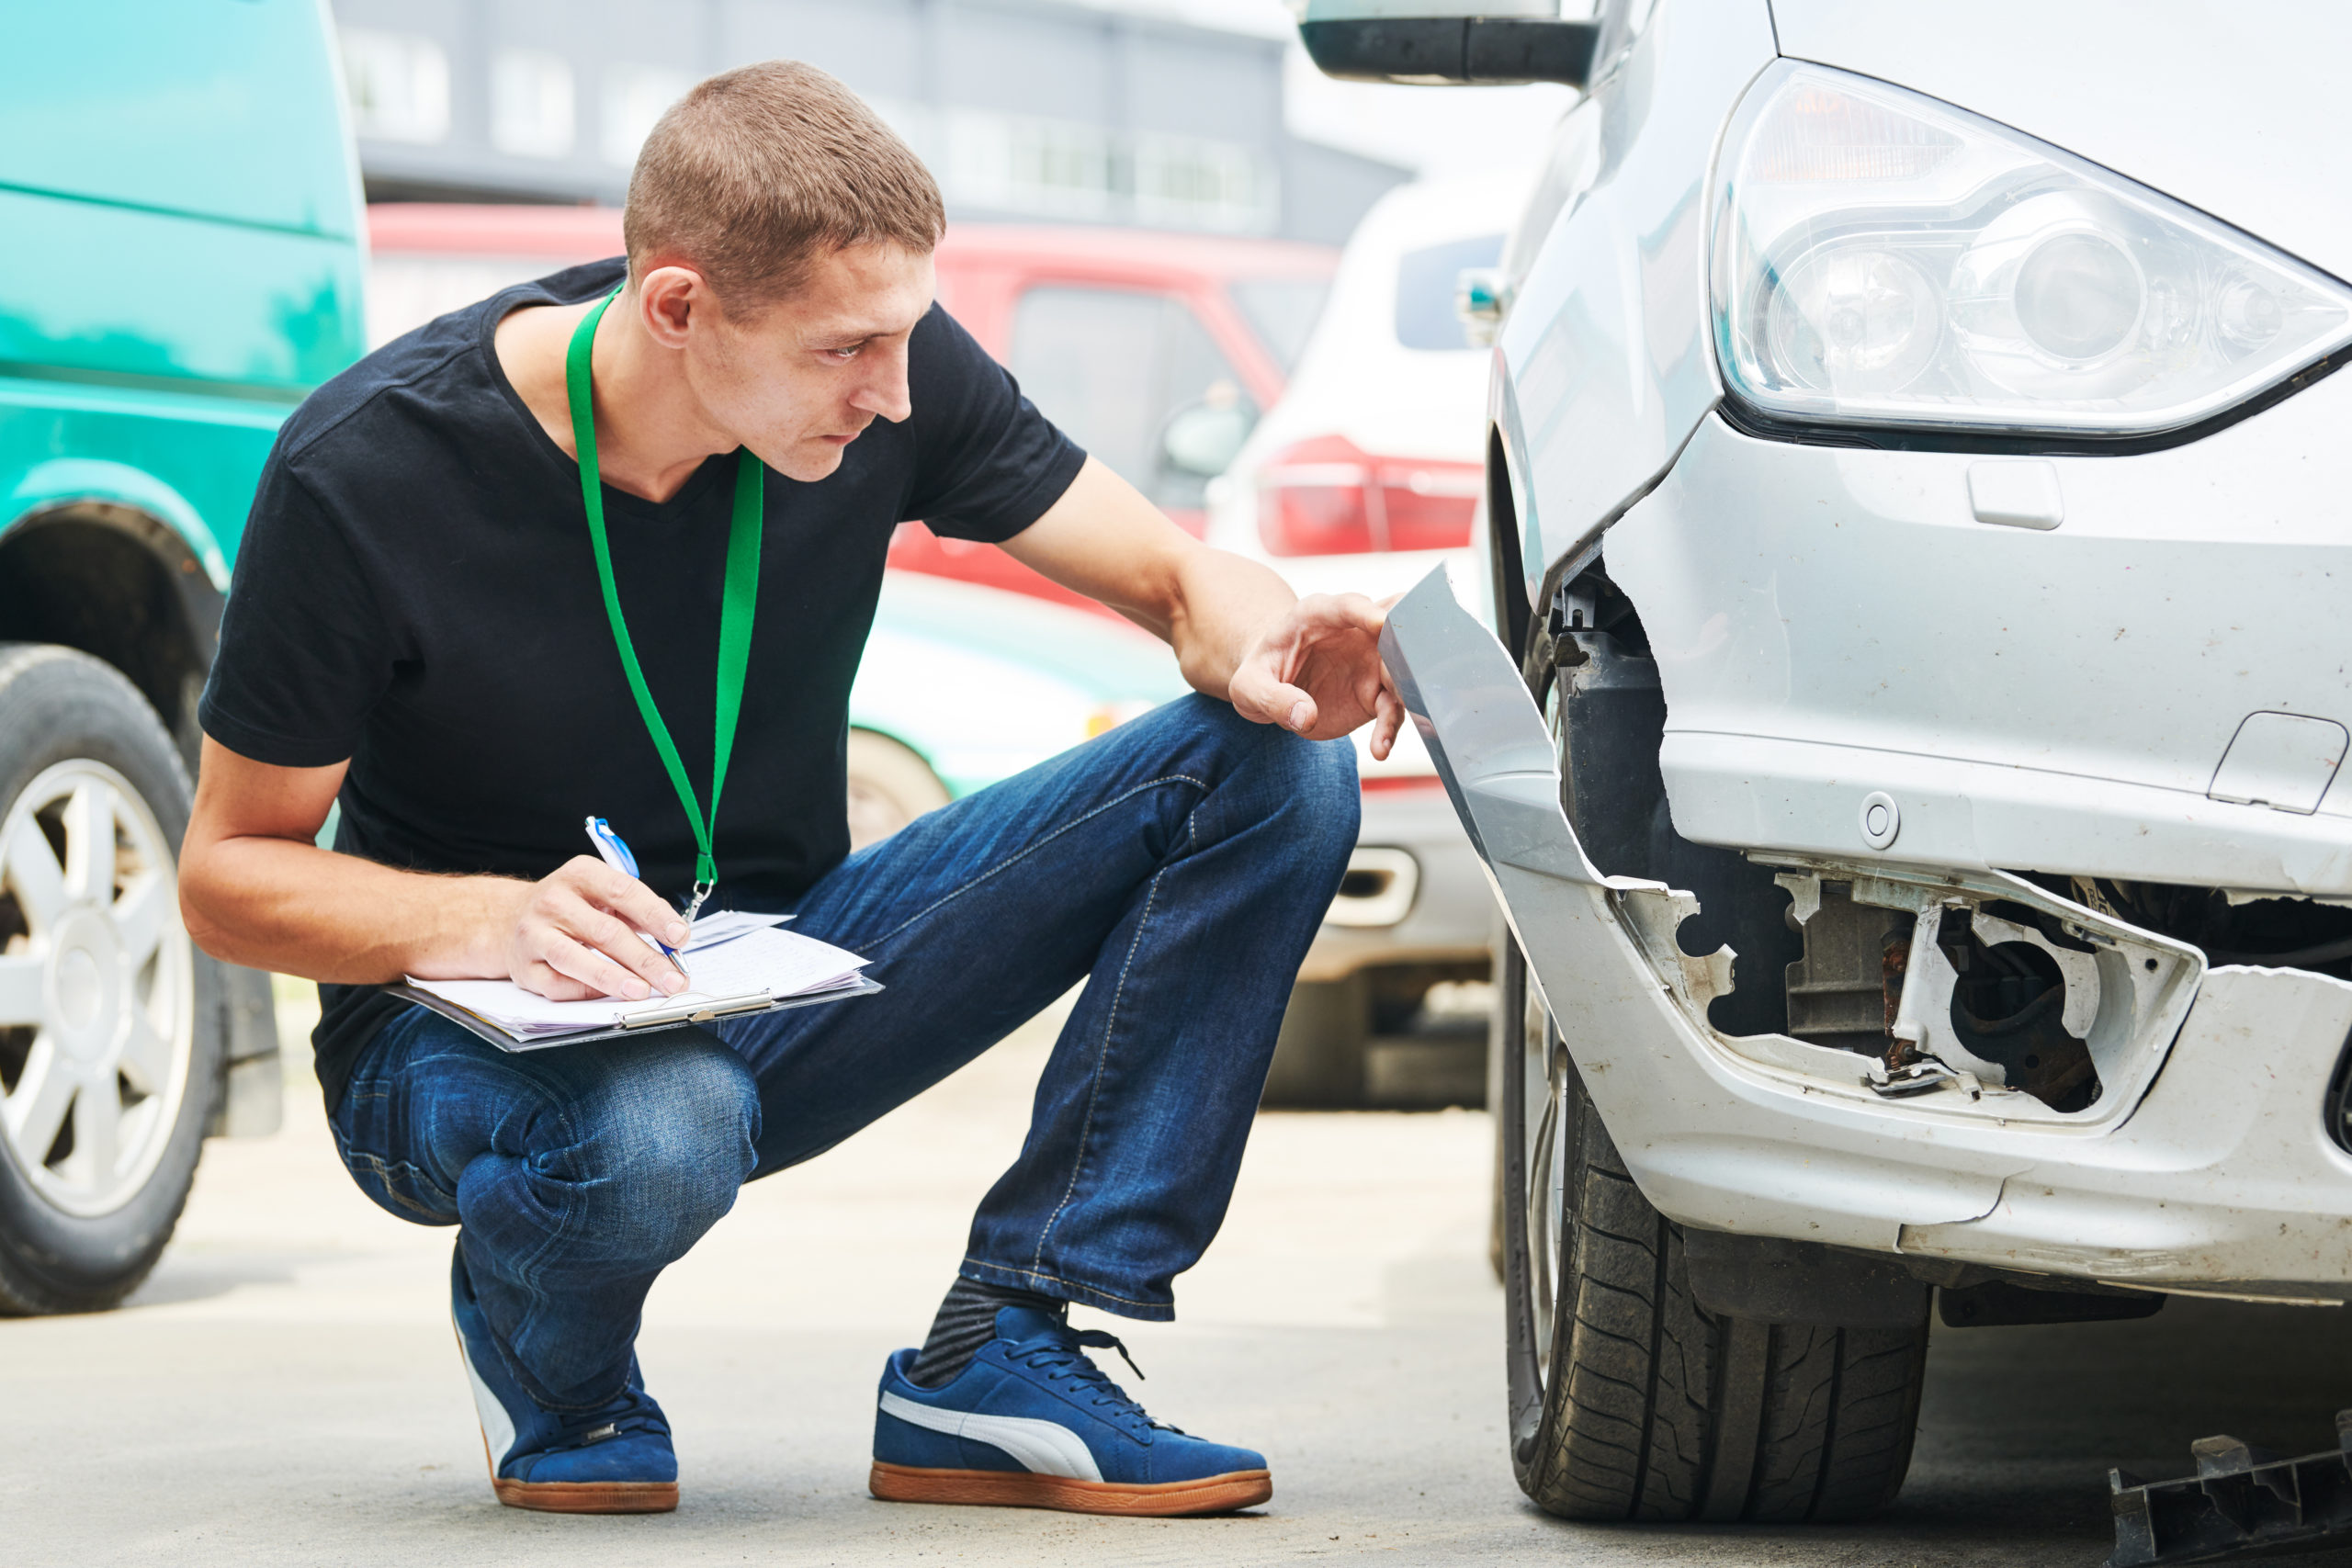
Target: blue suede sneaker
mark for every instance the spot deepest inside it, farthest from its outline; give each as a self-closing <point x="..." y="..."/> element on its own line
<point x="613" y="1460"/>
<point x="1032" y="1423"/>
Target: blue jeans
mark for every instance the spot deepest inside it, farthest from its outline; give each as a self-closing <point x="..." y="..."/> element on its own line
<point x="1178" y="866"/>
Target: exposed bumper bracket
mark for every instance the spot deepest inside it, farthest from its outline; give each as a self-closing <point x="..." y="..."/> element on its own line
<point x="2242" y="1501"/>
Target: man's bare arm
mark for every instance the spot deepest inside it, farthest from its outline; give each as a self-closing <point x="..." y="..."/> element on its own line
<point x="1239" y="633"/>
<point x="255" y="890"/>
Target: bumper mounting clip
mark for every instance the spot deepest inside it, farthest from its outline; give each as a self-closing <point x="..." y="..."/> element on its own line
<point x="2243" y="1502"/>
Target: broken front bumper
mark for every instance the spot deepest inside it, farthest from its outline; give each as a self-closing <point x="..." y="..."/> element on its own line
<point x="2205" y="1167"/>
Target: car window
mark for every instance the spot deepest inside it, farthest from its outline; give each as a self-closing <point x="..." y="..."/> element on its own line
<point x="1116" y="369"/>
<point x="1282" y="311"/>
<point x="1425" y="279"/>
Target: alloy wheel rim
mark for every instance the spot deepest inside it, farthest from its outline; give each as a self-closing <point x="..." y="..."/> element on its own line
<point x="1544" y="1107"/>
<point x="97" y="994"/>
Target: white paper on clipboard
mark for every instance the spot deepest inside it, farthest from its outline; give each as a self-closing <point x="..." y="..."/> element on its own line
<point x="778" y="963"/>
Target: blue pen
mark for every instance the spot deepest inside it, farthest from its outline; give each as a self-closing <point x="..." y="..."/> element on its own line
<point x="616" y="854"/>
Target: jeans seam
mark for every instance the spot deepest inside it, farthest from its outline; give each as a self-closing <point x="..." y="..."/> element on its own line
<point x="1028" y="849"/>
<point x="1057" y="1280"/>
<point x="383" y="1168"/>
<point x="524" y="1269"/>
<point x="1101" y="1058"/>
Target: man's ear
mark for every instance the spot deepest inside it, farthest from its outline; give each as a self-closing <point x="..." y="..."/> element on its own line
<point x="667" y="300"/>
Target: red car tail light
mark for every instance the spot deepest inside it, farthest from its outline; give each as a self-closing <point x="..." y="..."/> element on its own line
<point x="1328" y="497"/>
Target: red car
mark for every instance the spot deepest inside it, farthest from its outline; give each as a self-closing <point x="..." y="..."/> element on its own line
<point x="1154" y="352"/>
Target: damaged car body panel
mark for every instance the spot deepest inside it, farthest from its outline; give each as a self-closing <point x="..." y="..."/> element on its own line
<point x="1831" y="622"/>
<point x="2203" y="1159"/>
<point x="1604" y="354"/>
<point x="1907" y="751"/>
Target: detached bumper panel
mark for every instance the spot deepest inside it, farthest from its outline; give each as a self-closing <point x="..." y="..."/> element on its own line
<point x="2208" y="1165"/>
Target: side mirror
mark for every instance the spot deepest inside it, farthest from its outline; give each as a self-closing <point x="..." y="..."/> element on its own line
<point x="1205" y="438"/>
<point x="1480" y="297"/>
<point x="1437" y="49"/>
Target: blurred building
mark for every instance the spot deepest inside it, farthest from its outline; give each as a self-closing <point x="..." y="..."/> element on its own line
<point x="1025" y="110"/>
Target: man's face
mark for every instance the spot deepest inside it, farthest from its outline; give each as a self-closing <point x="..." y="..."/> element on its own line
<point x="798" y="381"/>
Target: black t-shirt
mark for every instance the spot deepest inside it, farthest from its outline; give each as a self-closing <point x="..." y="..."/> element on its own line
<point x="417" y="592"/>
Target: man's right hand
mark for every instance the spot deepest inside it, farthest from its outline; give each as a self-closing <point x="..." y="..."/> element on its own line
<point x="574" y="936"/>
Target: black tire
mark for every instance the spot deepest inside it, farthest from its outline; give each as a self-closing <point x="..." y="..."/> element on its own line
<point x="1641" y="1405"/>
<point x="58" y="706"/>
<point x="1319" y="1061"/>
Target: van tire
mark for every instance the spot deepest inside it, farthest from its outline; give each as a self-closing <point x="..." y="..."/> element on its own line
<point x="1645" y="1406"/>
<point x="58" y="706"/>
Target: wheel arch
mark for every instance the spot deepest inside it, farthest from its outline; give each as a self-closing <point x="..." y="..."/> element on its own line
<point x="859" y="725"/>
<point x="118" y="566"/>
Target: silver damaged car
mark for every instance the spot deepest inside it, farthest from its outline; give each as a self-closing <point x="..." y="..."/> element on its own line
<point x="1904" y="728"/>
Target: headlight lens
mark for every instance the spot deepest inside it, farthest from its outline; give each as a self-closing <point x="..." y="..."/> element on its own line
<point x="1882" y="258"/>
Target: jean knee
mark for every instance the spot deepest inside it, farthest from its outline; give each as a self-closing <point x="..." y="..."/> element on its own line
<point x="1323" y="792"/>
<point x="677" y="1142"/>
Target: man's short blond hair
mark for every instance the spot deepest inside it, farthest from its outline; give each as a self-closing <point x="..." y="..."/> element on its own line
<point x="759" y="170"/>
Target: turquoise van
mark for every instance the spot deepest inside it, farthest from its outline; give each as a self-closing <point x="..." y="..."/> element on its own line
<point x="180" y="263"/>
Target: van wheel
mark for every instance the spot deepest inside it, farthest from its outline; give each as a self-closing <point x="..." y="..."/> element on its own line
<point x="1628" y="1400"/>
<point x="109" y="1024"/>
<point x="889" y="787"/>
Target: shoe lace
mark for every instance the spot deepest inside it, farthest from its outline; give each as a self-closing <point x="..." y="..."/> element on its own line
<point x="1064" y="1357"/>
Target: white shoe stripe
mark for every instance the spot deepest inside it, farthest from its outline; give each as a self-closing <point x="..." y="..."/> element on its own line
<point x="1043" y="1448"/>
<point x="497" y="1425"/>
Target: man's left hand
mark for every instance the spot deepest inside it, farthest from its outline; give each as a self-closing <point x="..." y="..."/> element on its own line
<point x="1316" y="672"/>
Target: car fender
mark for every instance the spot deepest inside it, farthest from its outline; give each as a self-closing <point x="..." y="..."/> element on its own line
<point x="1604" y="361"/>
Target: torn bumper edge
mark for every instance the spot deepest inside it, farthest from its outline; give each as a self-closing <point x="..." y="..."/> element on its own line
<point x="2224" y="1176"/>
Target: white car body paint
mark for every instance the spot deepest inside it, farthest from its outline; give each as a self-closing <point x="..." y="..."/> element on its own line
<point x="2124" y="665"/>
<point x="1043" y="1448"/>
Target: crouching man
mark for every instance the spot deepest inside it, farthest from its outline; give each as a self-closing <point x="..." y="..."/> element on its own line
<point x="438" y="623"/>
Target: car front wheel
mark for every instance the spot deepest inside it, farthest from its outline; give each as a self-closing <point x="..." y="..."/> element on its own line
<point x="1630" y="1401"/>
<point x="109" y="1023"/>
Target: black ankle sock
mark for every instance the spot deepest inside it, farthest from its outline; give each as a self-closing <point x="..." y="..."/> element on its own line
<point x="967" y="1320"/>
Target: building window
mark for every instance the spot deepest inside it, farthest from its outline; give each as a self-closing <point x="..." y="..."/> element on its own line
<point x="531" y="110"/>
<point x="399" y="84"/>
<point x="635" y="97"/>
<point x="1184" y="182"/>
<point x="1054" y="168"/>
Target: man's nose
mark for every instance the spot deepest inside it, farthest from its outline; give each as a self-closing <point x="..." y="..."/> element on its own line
<point x="884" y="392"/>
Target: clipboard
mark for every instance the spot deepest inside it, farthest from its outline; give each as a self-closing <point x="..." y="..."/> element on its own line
<point x="651" y="1020"/>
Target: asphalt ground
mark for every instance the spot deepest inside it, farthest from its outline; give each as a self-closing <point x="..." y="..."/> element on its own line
<point x="284" y="1389"/>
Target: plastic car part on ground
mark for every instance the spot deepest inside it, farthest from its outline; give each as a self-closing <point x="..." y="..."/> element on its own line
<point x="2243" y="1502"/>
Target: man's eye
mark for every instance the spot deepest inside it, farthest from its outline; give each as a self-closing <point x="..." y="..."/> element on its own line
<point x="848" y="353"/>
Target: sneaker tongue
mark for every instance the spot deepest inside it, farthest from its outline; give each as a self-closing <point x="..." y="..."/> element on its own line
<point x="1023" y="1324"/>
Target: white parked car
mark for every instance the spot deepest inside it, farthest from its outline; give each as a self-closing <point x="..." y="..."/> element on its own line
<point x="1906" y="733"/>
<point x="1365" y="476"/>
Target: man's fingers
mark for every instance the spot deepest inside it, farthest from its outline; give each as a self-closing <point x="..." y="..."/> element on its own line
<point x="616" y="940"/>
<point x="626" y="897"/>
<point x="1388" y="719"/>
<point x="1260" y="694"/>
<point x="540" y="980"/>
<point x="589" y="967"/>
<point x="1342" y="612"/>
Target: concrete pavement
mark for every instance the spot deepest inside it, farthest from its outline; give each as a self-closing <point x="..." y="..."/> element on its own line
<point x="283" y="1390"/>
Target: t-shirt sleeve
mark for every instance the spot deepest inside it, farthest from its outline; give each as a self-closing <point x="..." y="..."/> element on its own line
<point x="304" y="652"/>
<point x="987" y="463"/>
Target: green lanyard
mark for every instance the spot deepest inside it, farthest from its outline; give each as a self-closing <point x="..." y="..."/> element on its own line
<point x="734" y="613"/>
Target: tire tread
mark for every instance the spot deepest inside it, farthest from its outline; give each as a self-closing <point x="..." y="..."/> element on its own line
<point x="1627" y="1427"/>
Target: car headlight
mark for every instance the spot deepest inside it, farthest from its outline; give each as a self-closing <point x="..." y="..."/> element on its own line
<point x="1881" y="258"/>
